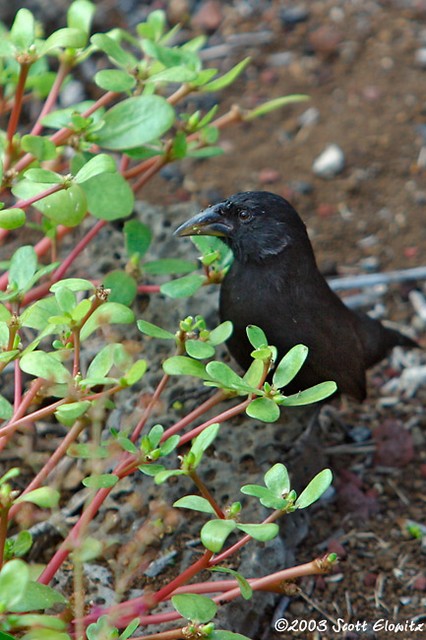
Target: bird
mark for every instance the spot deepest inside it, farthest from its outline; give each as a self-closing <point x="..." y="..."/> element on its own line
<point x="274" y="283"/>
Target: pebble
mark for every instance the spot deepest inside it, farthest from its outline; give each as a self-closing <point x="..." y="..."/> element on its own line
<point x="209" y="16"/>
<point x="309" y="117"/>
<point x="269" y="176"/>
<point x="302" y="187"/>
<point x="330" y="162"/>
<point x="420" y="58"/>
<point x="325" y="40"/>
<point x="281" y="59"/>
<point x="293" y="15"/>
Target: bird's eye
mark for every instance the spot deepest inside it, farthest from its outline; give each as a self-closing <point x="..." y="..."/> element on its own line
<point x="245" y="216"/>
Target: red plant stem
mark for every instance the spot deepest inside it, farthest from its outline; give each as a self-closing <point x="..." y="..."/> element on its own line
<point x="218" y="397"/>
<point x="222" y="417"/>
<point x="18" y="386"/>
<point x="3" y="532"/>
<point x="16" y="112"/>
<point x="76" y="343"/>
<point x="155" y="397"/>
<point x="158" y="164"/>
<point x="149" y="288"/>
<point x="61" y="74"/>
<point x="79" y="247"/>
<point x="206" y="494"/>
<point x="41" y="413"/>
<point x="56" y="456"/>
<point x="126" y="611"/>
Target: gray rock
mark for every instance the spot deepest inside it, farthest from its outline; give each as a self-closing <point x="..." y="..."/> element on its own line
<point x="330" y="162"/>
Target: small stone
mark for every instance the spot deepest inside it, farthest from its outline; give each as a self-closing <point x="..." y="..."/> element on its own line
<point x="209" y="16"/>
<point x="360" y="433"/>
<point x="293" y="15"/>
<point x="302" y="187"/>
<point x="325" y="210"/>
<point x="330" y="162"/>
<point x="370" y="579"/>
<point x="420" y="583"/>
<point x="335" y="546"/>
<point x="325" y="40"/>
<point x="269" y="176"/>
<point x="420" y="58"/>
<point x="309" y="117"/>
<point x="280" y="59"/>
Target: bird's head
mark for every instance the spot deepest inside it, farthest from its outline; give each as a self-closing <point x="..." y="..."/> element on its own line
<point x="256" y="225"/>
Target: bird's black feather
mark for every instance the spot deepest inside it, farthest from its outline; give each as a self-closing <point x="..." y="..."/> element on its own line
<point x="274" y="282"/>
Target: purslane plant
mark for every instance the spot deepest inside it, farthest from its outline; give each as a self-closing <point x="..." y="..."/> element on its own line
<point x="86" y="163"/>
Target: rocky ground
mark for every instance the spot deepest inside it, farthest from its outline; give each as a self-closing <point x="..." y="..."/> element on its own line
<point x="363" y="65"/>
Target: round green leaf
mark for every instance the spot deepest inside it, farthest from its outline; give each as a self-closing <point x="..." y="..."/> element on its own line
<point x="114" y="80"/>
<point x="45" y="365"/>
<point x="101" y="481"/>
<point x="62" y="39"/>
<point x="38" y="596"/>
<point x="6" y="409"/>
<point x="182" y="287"/>
<point x="183" y="366"/>
<point x="277" y="479"/>
<point x="196" y="503"/>
<point x="68" y="413"/>
<point x="137" y="237"/>
<point x="12" y="218"/>
<point x="198" y="349"/>
<point x="256" y="336"/>
<point x="101" y="163"/>
<point x="228" y="379"/>
<point x="261" y="532"/>
<point x="109" y="196"/>
<point x="44" y="497"/>
<point x="123" y="287"/>
<point x="14" y="578"/>
<point x="221" y="333"/>
<point x="135" y="122"/>
<point x="108" y="313"/>
<point x="198" y="609"/>
<point x="22" y="33"/>
<point x="136" y="372"/>
<point x="215" y="532"/>
<point x="263" y="409"/>
<point x="39" y="146"/>
<point x="167" y="266"/>
<point x="73" y="284"/>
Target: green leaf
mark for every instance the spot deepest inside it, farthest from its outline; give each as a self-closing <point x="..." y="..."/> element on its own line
<point x="183" y="366"/>
<point x="63" y="117"/>
<point x="226" y="635"/>
<point x="263" y="409"/>
<point x="123" y="287"/>
<point x="12" y="218"/>
<point x="203" y="441"/>
<point x="135" y="122"/>
<point x="220" y="372"/>
<point x="290" y="365"/>
<point x="101" y="163"/>
<point x="246" y="590"/>
<point x="66" y="206"/>
<point x="100" y="481"/>
<point x="135" y="373"/>
<point x="256" y="336"/>
<point x="152" y="330"/>
<point x="196" y="503"/>
<point x="167" y="266"/>
<point x="314" y="394"/>
<point x="6" y="409"/>
<point x="183" y="287"/>
<point x="45" y="365"/>
<point x="23" y="266"/>
<point x="66" y="299"/>
<point x="114" y="50"/>
<point x="14" y="578"/>
<point x="215" y="532"/>
<point x="36" y="596"/>
<point x="261" y="532"/>
<point x="103" y="361"/>
<point x="221" y="333"/>
<point x="22" y="33"/>
<point x="277" y="480"/>
<point x="44" y="176"/>
<point x="80" y="15"/>
<point x="137" y="237"/>
<point x="108" y="313"/>
<point x="272" y="105"/>
<point x="266" y="497"/>
<point x="315" y="489"/>
<point x="39" y="146"/>
<point x="115" y="80"/>
<point x="63" y="39"/>
<point x="198" y="609"/>
<point x="44" y="497"/>
<point x="199" y="349"/>
<point x="68" y="413"/>
<point x="73" y="284"/>
<point x="254" y="374"/>
<point x="14" y="472"/>
<point x="22" y="543"/>
<point x="162" y="476"/>
<point x="109" y="196"/>
<point x="228" y="78"/>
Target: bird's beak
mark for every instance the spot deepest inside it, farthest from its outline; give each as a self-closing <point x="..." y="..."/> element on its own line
<point x="209" y="222"/>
